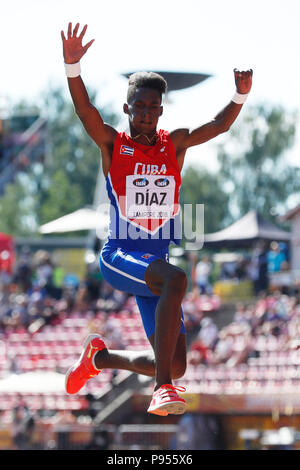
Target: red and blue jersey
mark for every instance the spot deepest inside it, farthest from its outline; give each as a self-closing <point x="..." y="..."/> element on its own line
<point x="143" y="186"/>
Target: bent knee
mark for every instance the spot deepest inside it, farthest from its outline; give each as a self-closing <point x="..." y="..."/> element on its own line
<point x="178" y="282"/>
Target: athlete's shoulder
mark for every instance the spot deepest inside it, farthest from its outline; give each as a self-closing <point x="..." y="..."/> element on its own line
<point x="179" y="133"/>
<point x="177" y="136"/>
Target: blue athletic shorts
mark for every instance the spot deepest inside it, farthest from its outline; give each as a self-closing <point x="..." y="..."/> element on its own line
<point x="125" y="271"/>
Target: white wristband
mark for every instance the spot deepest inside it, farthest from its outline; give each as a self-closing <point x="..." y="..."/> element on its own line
<point x="73" y="70"/>
<point x="239" y="98"/>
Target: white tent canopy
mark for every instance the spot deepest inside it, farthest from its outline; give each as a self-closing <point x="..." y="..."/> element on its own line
<point x="250" y="226"/>
<point x="248" y="230"/>
<point x="82" y="219"/>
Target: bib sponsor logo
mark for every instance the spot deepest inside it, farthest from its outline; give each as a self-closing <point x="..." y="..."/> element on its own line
<point x="141" y="182"/>
<point x="162" y="182"/>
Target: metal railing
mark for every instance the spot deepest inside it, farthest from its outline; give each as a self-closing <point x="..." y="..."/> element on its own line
<point x="108" y="437"/>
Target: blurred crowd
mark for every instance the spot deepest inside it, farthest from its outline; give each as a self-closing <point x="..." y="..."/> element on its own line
<point x="256" y="267"/>
<point x="33" y="295"/>
<point x="275" y="316"/>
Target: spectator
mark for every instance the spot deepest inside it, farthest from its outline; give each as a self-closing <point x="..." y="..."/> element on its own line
<point x="111" y="299"/>
<point x="223" y="349"/>
<point x="258" y="268"/>
<point x="208" y="333"/>
<point x="44" y="269"/>
<point x="193" y="313"/>
<point x="93" y="281"/>
<point x="241" y="271"/>
<point x="113" y="334"/>
<point x="228" y="270"/>
<point x="23" y="427"/>
<point x="23" y="272"/>
<point x="241" y="314"/>
<point x="275" y="258"/>
<point x="242" y="343"/>
<point x="198" y="353"/>
<point x="203" y="272"/>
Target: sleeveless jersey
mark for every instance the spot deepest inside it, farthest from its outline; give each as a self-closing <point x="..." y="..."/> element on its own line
<point x="143" y="186"/>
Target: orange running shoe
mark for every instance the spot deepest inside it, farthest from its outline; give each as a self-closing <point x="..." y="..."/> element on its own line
<point x="83" y="369"/>
<point x="165" y="400"/>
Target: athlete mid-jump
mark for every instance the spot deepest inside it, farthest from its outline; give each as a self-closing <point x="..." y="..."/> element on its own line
<point x="142" y="173"/>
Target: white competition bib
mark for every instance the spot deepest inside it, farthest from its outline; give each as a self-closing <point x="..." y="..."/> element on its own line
<point x="150" y="196"/>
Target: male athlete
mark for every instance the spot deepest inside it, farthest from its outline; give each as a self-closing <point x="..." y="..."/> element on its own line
<point x="142" y="173"/>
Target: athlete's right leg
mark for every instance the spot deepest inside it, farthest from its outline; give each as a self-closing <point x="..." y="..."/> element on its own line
<point x="142" y="362"/>
<point x="95" y="357"/>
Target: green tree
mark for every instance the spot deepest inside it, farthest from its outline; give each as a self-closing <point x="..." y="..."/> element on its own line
<point x="17" y="209"/>
<point x="73" y="157"/>
<point x="65" y="181"/>
<point x="253" y="163"/>
<point x="59" y="195"/>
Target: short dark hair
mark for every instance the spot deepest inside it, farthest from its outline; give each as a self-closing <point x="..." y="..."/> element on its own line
<point x="146" y="80"/>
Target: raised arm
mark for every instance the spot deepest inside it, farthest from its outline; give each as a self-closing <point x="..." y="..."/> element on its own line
<point x="102" y="134"/>
<point x="185" y="138"/>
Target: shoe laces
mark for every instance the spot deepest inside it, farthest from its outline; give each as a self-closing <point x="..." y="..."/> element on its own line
<point x="164" y="389"/>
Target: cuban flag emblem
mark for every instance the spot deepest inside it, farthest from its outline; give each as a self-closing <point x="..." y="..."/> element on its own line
<point x="125" y="150"/>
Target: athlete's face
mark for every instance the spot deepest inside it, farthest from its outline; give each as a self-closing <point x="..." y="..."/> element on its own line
<point x="144" y="110"/>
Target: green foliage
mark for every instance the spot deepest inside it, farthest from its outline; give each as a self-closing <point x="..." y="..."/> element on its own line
<point x="17" y="210"/>
<point x="74" y="159"/>
<point x="253" y="162"/>
<point x="65" y="181"/>
<point x="61" y="194"/>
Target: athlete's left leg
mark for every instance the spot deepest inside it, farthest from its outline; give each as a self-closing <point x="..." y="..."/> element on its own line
<point x="169" y="283"/>
<point x="126" y="271"/>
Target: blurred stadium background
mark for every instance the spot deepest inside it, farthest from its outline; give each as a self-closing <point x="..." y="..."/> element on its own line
<point x="242" y="309"/>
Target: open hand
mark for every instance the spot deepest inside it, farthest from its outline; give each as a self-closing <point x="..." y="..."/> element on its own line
<point x="72" y="46"/>
<point x="243" y="80"/>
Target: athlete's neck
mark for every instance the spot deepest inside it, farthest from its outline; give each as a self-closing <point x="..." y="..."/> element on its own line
<point x="145" y="139"/>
